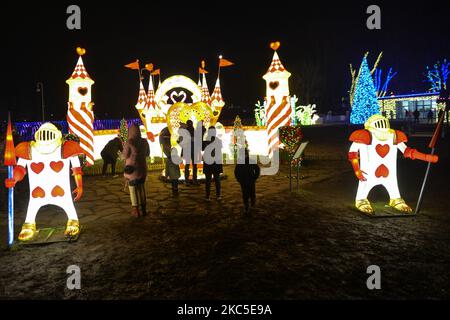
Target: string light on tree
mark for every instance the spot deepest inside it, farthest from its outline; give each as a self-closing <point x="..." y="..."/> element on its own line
<point x="365" y="102"/>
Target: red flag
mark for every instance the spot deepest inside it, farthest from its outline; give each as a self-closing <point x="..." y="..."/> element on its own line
<point x="202" y="71"/>
<point x="225" y="63"/>
<point x="133" y="65"/>
<point x="156" y="72"/>
<point x="10" y="152"/>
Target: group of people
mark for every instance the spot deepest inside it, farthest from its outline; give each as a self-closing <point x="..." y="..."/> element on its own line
<point x="136" y="150"/>
<point x="409" y="115"/>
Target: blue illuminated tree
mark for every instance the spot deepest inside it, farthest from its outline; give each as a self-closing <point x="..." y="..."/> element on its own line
<point x="365" y="102"/>
<point x="437" y="75"/>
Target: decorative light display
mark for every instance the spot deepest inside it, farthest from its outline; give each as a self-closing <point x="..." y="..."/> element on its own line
<point x="389" y="104"/>
<point x="217" y="102"/>
<point x="290" y="137"/>
<point x="48" y="160"/>
<point x="381" y="86"/>
<point x="123" y="130"/>
<point x="306" y="115"/>
<point x="260" y="114"/>
<point x="238" y="138"/>
<point x="10" y="162"/>
<point x="438" y="75"/>
<point x="355" y="77"/>
<point x="373" y="155"/>
<point x="278" y="109"/>
<point x="365" y="102"/>
<point x="80" y="114"/>
<point x="174" y="82"/>
<point x="27" y="129"/>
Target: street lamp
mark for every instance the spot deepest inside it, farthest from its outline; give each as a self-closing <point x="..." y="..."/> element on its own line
<point x="40" y="88"/>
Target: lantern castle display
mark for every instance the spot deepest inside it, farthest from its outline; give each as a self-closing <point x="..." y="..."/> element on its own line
<point x="373" y="155"/>
<point x="177" y="100"/>
<point x="171" y="103"/>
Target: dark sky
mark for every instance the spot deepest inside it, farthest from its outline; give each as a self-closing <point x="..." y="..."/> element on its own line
<point x="318" y="41"/>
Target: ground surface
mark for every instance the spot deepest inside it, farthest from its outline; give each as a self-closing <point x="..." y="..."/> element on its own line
<point x="310" y="245"/>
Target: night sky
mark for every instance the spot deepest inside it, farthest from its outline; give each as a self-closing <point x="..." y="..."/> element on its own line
<point x="318" y="41"/>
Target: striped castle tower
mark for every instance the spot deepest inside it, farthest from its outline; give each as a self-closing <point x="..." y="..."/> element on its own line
<point x="206" y="98"/>
<point x="150" y="109"/>
<point x="278" y="109"/>
<point x="141" y="102"/>
<point x="80" y="114"/>
<point x="217" y="102"/>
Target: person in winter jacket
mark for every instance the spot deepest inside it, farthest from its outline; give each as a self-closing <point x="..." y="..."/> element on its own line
<point x="212" y="164"/>
<point x="135" y="153"/>
<point x="172" y="169"/>
<point x="110" y="153"/>
<point x="194" y="157"/>
<point x="247" y="174"/>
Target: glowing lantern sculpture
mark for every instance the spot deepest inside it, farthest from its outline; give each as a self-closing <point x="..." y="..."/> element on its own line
<point x="48" y="161"/>
<point x="278" y="108"/>
<point x="373" y="155"/>
<point x="80" y="115"/>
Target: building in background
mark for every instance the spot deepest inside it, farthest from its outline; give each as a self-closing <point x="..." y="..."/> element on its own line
<point x="423" y="102"/>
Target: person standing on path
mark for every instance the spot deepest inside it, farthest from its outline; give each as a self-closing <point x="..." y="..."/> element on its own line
<point x="247" y="174"/>
<point x="135" y="153"/>
<point x="416" y="116"/>
<point x="110" y="153"/>
<point x="193" y="157"/>
<point x="430" y="116"/>
<point x="172" y="170"/>
<point x="212" y="162"/>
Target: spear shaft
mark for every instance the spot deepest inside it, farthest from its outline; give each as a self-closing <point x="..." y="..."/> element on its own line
<point x="427" y="172"/>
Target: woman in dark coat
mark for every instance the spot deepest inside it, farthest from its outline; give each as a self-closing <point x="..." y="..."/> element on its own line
<point x="135" y="153"/>
<point x="212" y="162"/>
<point x="247" y="174"/>
<point x="110" y="153"/>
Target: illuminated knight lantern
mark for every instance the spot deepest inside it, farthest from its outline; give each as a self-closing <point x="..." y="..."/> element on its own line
<point x="48" y="161"/>
<point x="373" y="155"/>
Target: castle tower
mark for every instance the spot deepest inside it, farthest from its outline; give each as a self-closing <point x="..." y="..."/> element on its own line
<point x="80" y="114"/>
<point x="150" y="110"/>
<point x="206" y="98"/>
<point x="141" y="102"/>
<point x="217" y="102"/>
<point x="278" y="108"/>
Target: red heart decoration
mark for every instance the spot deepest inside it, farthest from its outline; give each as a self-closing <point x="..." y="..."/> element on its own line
<point x="82" y="90"/>
<point x="382" y="150"/>
<point x="37" y="167"/>
<point x="274" y="84"/>
<point x="57" y="192"/>
<point x="38" y="192"/>
<point x="57" y="166"/>
<point x="382" y="171"/>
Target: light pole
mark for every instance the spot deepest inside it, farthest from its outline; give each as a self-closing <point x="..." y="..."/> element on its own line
<point x="40" y="88"/>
